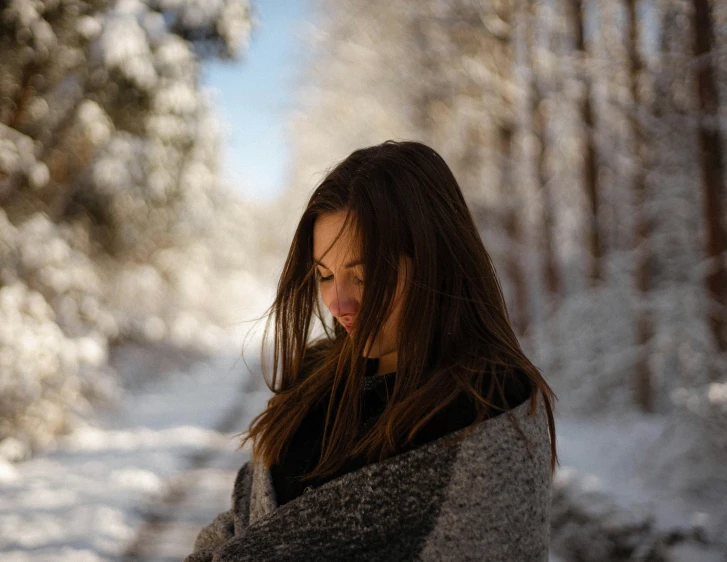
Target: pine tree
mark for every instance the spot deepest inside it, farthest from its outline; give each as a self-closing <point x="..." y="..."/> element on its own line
<point x="112" y="204"/>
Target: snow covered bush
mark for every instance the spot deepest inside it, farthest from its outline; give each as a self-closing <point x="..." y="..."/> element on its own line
<point x="691" y="455"/>
<point x="64" y="275"/>
<point x="588" y="350"/>
<point x="589" y="526"/>
<point x="46" y="378"/>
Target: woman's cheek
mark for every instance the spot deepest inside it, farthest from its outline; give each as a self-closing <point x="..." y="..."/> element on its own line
<point x="325" y="297"/>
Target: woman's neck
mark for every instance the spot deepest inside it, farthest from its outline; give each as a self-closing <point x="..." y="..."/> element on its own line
<point x="387" y="363"/>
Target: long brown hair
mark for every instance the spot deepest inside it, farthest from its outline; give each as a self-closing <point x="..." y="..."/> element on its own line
<point x="401" y="199"/>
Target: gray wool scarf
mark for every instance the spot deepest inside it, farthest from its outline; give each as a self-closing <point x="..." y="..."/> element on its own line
<point x="485" y="498"/>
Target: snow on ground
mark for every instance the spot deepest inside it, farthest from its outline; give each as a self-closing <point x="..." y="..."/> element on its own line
<point x="607" y="475"/>
<point x="141" y="483"/>
<point x="90" y="499"/>
<point x="607" y="455"/>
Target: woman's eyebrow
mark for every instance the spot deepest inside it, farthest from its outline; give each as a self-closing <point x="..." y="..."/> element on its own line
<point x="348" y="265"/>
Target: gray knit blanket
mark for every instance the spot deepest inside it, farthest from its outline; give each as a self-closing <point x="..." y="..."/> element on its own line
<point x="485" y="498"/>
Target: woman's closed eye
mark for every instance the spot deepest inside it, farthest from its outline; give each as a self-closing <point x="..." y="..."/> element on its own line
<point x="325" y="278"/>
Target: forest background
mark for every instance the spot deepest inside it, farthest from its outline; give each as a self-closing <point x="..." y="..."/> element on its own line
<point x="587" y="135"/>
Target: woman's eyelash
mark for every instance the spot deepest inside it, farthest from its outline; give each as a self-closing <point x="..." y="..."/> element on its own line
<point x="330" y="278"/>
<point x="320" y="277"/>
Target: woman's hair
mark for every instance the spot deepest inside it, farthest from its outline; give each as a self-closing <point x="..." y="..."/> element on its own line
<point x="401" y="199"/>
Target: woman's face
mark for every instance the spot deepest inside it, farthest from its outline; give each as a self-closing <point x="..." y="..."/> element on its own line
<point x="341" y="278"/>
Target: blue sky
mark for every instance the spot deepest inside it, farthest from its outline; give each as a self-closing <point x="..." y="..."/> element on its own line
<point x="254" y="95"/>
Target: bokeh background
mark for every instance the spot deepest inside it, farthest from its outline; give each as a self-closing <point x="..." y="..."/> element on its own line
<point x="155" y="156"/>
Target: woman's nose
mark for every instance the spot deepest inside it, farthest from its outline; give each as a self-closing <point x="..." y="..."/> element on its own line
<point x="344" y="301"/>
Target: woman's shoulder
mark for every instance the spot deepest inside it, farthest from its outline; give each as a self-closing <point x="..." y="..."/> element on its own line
<point x="462" y="411"/>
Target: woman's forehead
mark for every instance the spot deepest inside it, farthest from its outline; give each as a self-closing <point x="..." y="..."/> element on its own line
<point x="334" y="241"/>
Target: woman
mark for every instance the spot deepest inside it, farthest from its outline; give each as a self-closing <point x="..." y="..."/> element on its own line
<point x="413" y="427"/>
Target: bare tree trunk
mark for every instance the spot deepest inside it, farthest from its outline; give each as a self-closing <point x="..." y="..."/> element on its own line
<point x="512" y="197"/>
<point x="590" y="172"/>
<point x="643" y="388"/>
<point x="511" y="222"/>
<point x="551" y="269"/>
<point x="713" y="174"/>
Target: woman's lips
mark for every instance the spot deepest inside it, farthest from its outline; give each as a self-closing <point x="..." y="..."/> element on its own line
<point x="347" y="325"/>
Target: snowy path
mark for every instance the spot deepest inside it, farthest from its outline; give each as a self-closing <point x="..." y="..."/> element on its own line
<point x="160" y="467"/>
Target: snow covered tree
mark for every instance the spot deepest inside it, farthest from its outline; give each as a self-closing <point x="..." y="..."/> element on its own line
<point x="115" y="223"/>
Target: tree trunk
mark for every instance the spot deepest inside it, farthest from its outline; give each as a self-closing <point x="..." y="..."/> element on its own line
<point x="551" y="269"/>
<point x="590" y="171"/>
<point x="643" y="389"/>
<point x="511" y="221"/>
<point x="712" y="166"/>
